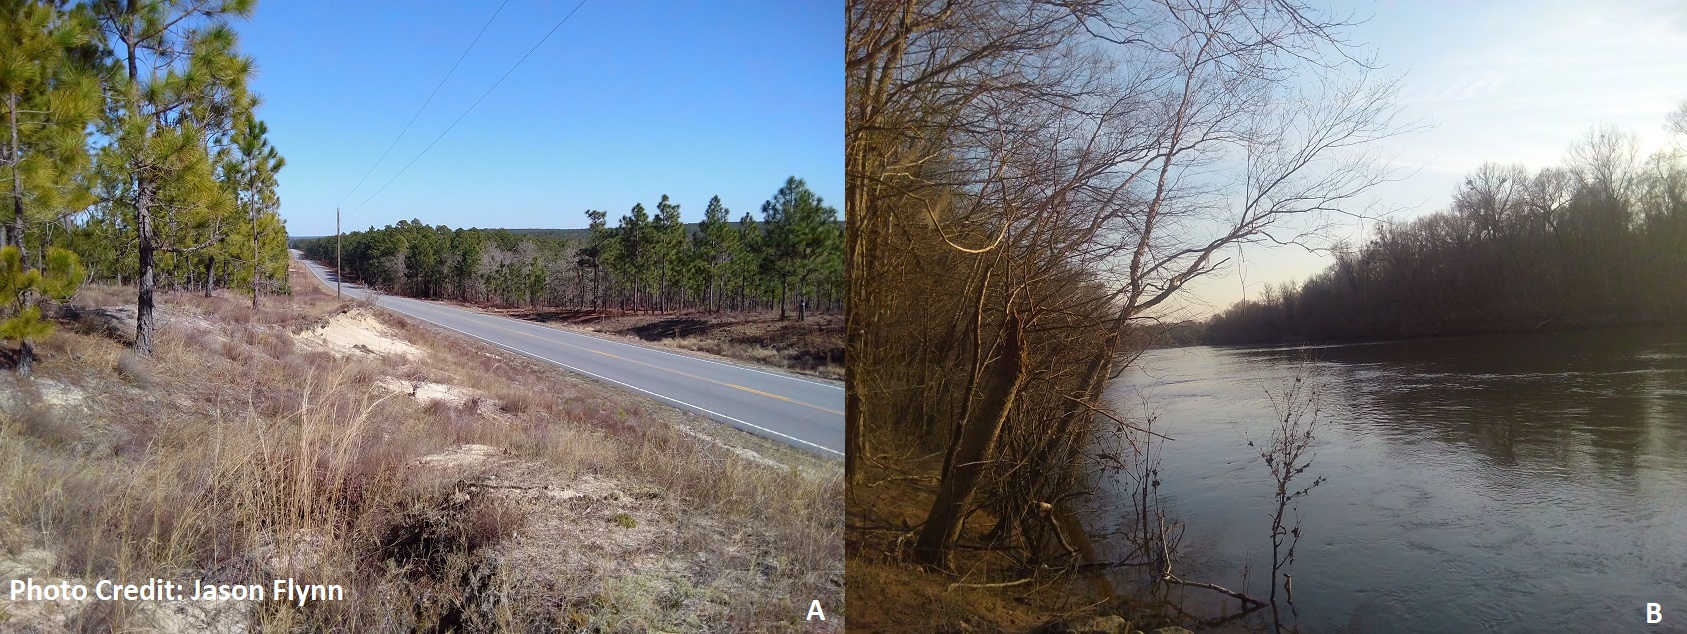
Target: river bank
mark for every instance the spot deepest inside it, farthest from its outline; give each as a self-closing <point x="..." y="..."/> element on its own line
<point x="991" y="592"/>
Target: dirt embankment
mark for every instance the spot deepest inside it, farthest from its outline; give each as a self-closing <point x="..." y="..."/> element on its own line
<point x="443" y="485"/>
<point x="812" y="346"/>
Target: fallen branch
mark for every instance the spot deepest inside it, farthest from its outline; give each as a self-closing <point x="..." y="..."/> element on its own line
<point x="1170" y="578"/>
<point x="1003" y="584"/>
<point x="1104" y="565"/>
<point x="896" y="478"/>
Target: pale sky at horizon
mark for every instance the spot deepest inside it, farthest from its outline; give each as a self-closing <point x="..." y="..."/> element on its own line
<point x="1503" y="82"/>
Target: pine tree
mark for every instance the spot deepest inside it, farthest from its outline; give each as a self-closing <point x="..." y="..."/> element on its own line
<point x="801" y="234"/>
<point x="468" y="246"/>
<point x="538" y="280"/>
<point x="716" y="243"/>
<point x="746" y="264"/>
<point x="667" y="248"/>
<point x="594" y="253"/>
<point x="48" y="95"/>
<point x="250" y="177"/>
<point x="62" y="276"/>
<point x="157" y="170"/>
<point x="633" y="240"/>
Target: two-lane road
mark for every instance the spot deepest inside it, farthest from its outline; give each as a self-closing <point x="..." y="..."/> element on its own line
<point x="798" y="411"/>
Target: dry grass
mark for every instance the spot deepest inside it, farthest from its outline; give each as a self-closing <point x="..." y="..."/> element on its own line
<point x="43" y="422"/>
<point x="551" y="503"/>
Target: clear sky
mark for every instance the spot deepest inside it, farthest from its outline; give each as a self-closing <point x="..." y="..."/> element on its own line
<point x="626" y="102"/>
<point x="1507" y="82"/>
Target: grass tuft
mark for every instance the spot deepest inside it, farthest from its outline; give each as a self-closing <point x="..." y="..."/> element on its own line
<point x="135" y="371"/>
<point x="47" y="425"/>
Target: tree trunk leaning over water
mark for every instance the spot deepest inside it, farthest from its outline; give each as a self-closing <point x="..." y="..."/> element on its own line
<point x="1004" y="375"/>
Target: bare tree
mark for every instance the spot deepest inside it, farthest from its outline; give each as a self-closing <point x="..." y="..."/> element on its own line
<point x="1081" y="163"/>
<point x="917" y="69"/>
<point x="1297" y="408"/>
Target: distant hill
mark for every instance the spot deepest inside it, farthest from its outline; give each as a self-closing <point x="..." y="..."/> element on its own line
<point x="566" y="234"/>
<point x="691" y="229"/>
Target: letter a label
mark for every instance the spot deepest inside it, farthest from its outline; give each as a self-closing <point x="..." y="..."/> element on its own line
<point x="814" y="611"/>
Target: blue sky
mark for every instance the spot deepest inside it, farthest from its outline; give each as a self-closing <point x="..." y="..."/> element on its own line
<point x="1508" y="82"/>
<point x="626" y="102"/>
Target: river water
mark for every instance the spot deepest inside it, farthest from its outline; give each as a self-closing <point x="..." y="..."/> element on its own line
<point x="1508" y="483"/>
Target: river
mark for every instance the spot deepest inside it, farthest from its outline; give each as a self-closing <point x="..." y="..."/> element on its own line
<point x="1516" y="483"/>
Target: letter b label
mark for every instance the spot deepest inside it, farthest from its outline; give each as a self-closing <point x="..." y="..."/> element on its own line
<point x="1654" y="613"/>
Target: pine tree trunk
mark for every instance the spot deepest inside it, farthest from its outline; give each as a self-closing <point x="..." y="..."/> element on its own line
<point x="17" y="183"/>
<point x="26" y="357"/>
<point x="802" y="300"/>
<point x="144" y="324"/>
<point x="254" y="261"/>
<point x="210" y="273"/>
<point x="41" y="246"/>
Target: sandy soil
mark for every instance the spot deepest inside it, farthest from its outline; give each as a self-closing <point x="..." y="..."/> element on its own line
<point x="356" y="332"/>
<point x="427" y="392"/>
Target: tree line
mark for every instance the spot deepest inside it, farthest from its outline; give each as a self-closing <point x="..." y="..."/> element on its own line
<point x="132" y="145"/>
<point x="790" y="259"/>
<point x="1599" y="240"/>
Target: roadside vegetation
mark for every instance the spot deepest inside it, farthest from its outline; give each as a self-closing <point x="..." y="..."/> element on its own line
<point x="812" y="346"/>
<point x="1026" y="183"/>
<point x="444" y="484"/>
<point x="1598" y="241"/>
<point x="790" y="261"/>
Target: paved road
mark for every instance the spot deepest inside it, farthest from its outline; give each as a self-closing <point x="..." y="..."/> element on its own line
<point x="798" y="411"/>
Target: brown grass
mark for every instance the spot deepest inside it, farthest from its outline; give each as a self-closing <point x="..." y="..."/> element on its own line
<point x="235" y="456"/>
<point x="46" y="424"/>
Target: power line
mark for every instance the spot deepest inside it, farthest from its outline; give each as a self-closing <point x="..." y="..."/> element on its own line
<point x="471" y="106"/>
<point x="424" y="103"/>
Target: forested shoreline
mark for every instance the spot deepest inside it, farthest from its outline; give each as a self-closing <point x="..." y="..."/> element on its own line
<point x="790" y="260"/>
<point x="1598" y="241"/>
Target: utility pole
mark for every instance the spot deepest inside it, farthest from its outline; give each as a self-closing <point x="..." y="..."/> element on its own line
<point x="337" y="253"/>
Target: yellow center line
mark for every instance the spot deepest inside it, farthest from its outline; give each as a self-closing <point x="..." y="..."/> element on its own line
<point x="650" y="365"/>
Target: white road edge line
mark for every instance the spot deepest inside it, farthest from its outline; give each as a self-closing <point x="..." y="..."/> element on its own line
<point x="543" y="328"/>
<point x="628" y="385"/>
